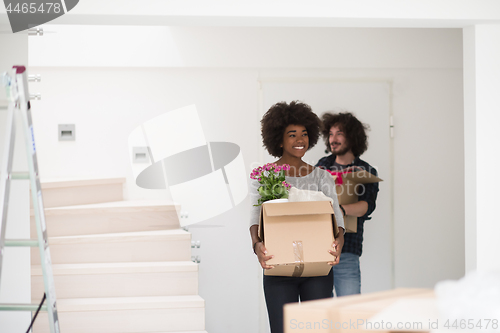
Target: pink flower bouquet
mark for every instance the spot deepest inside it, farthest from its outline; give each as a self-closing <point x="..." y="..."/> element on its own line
<point x="271" y="177"/>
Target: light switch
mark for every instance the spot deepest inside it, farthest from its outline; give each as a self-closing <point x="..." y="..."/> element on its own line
<point x="67" y="132"/>
<point x="140" y="155"/>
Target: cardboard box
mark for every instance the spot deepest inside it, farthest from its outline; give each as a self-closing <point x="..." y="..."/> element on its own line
<point x="411" y="314"/>
<point x="365" y="311"/>
<point x="349" y="191"/>
<point x="299" y="235"/>
<point x="344" y="314"/>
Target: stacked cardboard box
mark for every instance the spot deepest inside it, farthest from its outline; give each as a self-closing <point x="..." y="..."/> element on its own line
<point x="346" y="314"/>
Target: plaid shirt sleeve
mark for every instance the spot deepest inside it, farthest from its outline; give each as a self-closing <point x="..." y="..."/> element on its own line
<point x="370" y="192"/>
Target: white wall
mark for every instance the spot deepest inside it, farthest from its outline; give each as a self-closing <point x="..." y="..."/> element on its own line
<point x="240" y="47"/>
<point x="218" y="70"/>
<point x="15" y="280"/>
<point x="428" y="178"/>
<point x="482" y="101"/>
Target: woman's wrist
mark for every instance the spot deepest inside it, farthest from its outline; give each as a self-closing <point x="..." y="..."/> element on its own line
<point x="255" y="244"/>
<point x="342" y="209"/>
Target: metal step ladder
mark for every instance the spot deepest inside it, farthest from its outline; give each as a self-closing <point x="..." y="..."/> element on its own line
<point x="19" y="101"/>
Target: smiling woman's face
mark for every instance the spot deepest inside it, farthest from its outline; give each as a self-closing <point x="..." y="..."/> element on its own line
<point x="295" y="141"/>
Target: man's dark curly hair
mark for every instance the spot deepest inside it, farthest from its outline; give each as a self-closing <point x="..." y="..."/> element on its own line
<point x="354" y="130"/>
<point x="279" y="116"/>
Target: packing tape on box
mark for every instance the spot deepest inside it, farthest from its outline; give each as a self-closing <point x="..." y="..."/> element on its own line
<point x="299" y="258"/>
<point x="205" y="178"/>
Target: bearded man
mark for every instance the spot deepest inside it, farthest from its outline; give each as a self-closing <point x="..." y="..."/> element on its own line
<point x="345" y="137"/>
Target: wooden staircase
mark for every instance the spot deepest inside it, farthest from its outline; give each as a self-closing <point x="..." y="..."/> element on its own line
<point x="119" y="266"/>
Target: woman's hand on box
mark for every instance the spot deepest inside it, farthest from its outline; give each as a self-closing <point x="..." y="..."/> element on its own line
<point x="261" y="252"/>
<point x="335" y="253"/>
<point x="337" y="248"/>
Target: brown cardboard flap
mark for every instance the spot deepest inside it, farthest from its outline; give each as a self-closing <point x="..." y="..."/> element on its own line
<point x="347" y="193"/>
<point x="297" y="208"/>
<point x="361" y="177"/>
<point x="351" y="224"/>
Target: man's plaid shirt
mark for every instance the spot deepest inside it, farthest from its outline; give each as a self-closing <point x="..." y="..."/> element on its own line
<point x="353" y="242"/>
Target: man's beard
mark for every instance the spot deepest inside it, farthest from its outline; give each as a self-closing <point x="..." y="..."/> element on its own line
<point x="342" y="151"/>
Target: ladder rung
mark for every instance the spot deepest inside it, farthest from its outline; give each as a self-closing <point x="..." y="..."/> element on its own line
<point x="21" y="242"/>
<point x="21" y="307"/>
<point x="19" y="175"/>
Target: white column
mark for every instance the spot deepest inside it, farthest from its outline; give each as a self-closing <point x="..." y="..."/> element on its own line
<point x="482" y="139"/>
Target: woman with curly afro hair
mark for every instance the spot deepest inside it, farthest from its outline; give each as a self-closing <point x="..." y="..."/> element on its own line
<point x="288" y="131"/>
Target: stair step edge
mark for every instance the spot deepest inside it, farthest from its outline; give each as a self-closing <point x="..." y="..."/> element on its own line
<point x="130" y="303"/>
<point x="118" y="268"/>
<point x="126" y="206"/>
<point x="69" y="182"/>
<point x="173" y="234"/>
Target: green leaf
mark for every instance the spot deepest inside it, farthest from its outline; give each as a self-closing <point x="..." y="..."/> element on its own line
<point x="278" y="190"/>
<point x="264" y="191"/>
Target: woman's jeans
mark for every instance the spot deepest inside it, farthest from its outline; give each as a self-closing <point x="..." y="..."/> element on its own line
<point x="347" y="276"/>
<point x="280" y="290"/>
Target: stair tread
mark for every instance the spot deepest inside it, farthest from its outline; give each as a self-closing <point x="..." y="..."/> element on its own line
<point x="116" y="206"/>
<point x="129" y="303"/>
<point x="117" y="268"/>
<point x="169" y="232"/>
<point x="72" y="182"/>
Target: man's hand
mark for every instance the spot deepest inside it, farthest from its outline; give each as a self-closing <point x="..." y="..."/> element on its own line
<point x="262" y="256"/>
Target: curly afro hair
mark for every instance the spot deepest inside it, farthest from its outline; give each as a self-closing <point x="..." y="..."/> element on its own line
<point x="279" y="116"/>
<point x="354" y="130"/>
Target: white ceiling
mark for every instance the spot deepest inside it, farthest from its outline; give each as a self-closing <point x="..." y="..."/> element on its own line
<point x="284" y="13"/>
